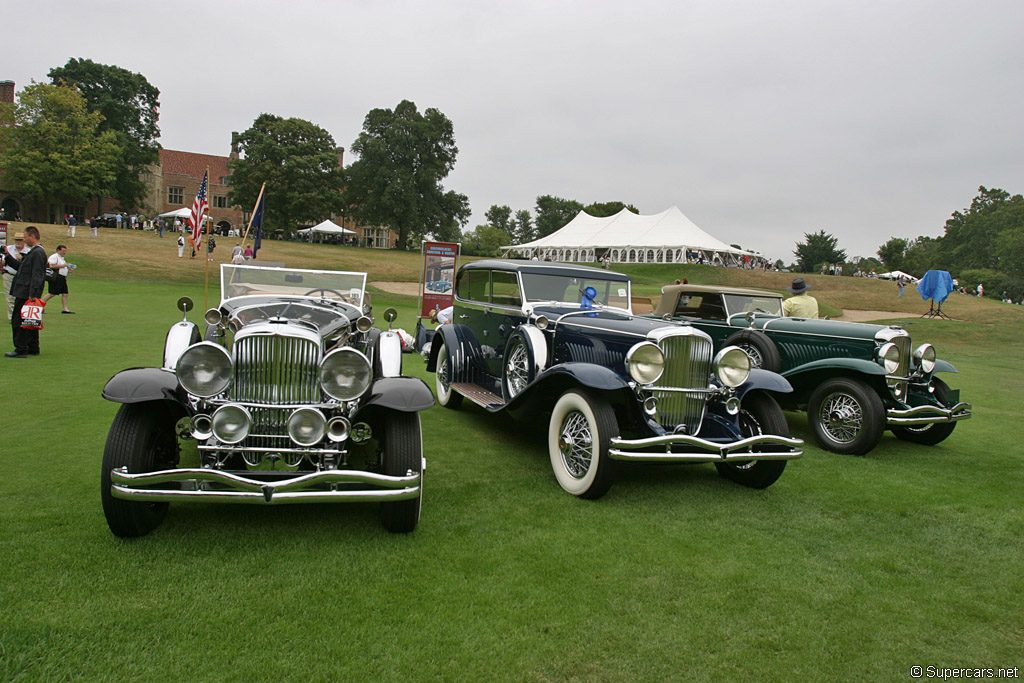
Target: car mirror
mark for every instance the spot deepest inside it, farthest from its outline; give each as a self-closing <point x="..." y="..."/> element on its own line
<point x="185" y="305"/>
<point x="390" y="314"/>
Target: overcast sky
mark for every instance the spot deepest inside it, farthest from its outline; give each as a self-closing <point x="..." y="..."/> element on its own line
<point x="761" y="121"/>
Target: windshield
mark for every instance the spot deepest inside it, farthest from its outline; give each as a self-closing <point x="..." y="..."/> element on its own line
<point x="328" y="284"/>
<point x="742" y="303"/>
<point x="570" y="290"/>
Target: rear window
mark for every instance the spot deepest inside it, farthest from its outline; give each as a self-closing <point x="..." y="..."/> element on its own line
<point x="707" y="306"/>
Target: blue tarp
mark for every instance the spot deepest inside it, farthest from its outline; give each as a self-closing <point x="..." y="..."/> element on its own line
<point x="935" y="285"/>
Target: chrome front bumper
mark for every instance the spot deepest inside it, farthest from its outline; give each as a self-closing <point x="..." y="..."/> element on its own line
<point x="659" y="449"/>
<point x="329" y="486"/>
<point x="924" y="415"/>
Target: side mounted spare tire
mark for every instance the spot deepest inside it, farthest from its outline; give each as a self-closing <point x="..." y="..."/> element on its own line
<point x="762" y="350"/>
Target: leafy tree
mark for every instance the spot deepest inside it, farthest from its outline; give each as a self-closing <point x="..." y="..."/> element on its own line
<point x="500" y="217"/>
<point x="403" y="157"/>
<point x="553" y="213"/>
<point x="485" y="240"/>
<point x="298" y="160"/>
<point x="893" y="253"/>
<point x="604" y="209"/>
<point x="971" y="235"/>
<point x="130" y="107"/>
<point x="1010" y="250"/>
<point x="54" y="150"/>
<point x="920" y="255"/>
<point x="524" y="227"/>
<point x="818" y="248"/>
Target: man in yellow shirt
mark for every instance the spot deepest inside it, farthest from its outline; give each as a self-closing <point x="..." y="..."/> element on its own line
<point x="801" y="304"/>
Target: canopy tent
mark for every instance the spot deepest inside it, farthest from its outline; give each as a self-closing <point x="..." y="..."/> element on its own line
<point x="897" y="274"/>
<point x="626" y="237"/>
<point x="328" y="227"/>
<point x="183" y="212"/>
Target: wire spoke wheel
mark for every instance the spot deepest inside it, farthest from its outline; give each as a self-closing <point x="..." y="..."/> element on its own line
<point x="517" y="370"/>
<point x="576" y="444"/>
<point x="841" y="417"/>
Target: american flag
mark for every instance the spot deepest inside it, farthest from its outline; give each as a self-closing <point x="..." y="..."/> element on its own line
<point x="199" y="208"/>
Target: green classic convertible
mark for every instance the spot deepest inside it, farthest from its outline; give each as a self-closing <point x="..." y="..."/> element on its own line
<point x="854" y="379"/>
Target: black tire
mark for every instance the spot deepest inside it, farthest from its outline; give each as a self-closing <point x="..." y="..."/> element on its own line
<point x="759" y="414"/>
<point x="142" y="439"/>
<point x="579" y="436"/>
<point x="931" y="434"/>
<point x="846" y="416"/>
<point x="401" y="451"/>
<point x="762" y="350"/>
<point x="442" y="377"/>
<point x="519" y="367"/>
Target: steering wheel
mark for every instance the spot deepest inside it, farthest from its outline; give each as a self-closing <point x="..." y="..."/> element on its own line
<point x="343" y="297"/>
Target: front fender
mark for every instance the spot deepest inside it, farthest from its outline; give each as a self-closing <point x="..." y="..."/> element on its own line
<point x="451" y="341"/>
<point x="858" y="365"/>
<point x="407" y="394"/>
<point x="944" y="366"/>
<point x="764" y="380"/>
<point x="144" y="384"/>
<point x="181" y="336"/>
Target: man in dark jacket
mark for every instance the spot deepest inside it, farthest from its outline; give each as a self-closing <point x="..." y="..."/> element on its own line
<point x="27" y="284"/>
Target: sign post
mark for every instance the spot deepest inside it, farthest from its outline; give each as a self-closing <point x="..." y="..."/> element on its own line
<point x="440" y="260"/>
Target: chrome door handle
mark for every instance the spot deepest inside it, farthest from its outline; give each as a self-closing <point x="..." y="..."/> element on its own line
<point x="463" y="317"/>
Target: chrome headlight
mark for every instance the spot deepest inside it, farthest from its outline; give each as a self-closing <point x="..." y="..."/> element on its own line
<point x="889" y="354"/>
<point x="924" y="356"/>
<point x="645" y="362"/>
<point x="204" y="369"/>
<point x="307" y="426"/>
<point x="231" y="423"/>
<point x="732" y="366"/>
<point x="345" y="374"/>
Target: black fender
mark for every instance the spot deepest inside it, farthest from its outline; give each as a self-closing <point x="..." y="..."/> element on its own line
<point x="551" y="383"/>
<point x="137" y="385"/>
<point x="406" y="394"/>
<point x="465" y="363"/>
<point x="944" y="366"/>
<point x="764" y="380"/>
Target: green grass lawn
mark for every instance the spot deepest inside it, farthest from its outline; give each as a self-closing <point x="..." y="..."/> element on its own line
<point x="847" y="568"/>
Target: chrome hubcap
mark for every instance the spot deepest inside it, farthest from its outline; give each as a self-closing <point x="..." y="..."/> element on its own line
<point x="516" y="372"/>
<point x="841" y="417"/>
<point x="575" y="444"/>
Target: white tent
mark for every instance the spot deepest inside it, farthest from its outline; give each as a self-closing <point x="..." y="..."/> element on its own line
<point x="328" y="227"/>
<point x="892" y="275"/>
<point x="183" y="212"/>
<point x="626" y="237"/>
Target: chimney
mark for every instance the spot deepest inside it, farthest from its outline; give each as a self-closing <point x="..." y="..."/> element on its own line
<point x="6" y="92"/>
<point x="341" y="157"/>
<point x="234" y="145"/>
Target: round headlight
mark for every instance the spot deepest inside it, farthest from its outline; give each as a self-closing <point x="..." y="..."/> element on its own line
<point x="364" y="323"/>
<point x="732" y="366"/>
<point x="213" y="316"/>
<point x="889" y="354"/>
<point x="307" y="426"/>
<point x="645" y="362"/>
<point x="345" y="374"/>
<point x="204" y="369"/>
<point x="231" y="423"/>
<point x="924" y="356"/>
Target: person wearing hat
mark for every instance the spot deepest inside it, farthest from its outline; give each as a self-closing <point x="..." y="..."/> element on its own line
<point x="801" y="304"/>
<point x="12" y="255"/>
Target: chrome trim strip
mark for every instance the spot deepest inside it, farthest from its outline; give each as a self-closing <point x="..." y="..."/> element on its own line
<point x="248" y="490"/>
<point x="923" y="415"/>
<point x="716" y="452"/>
<point x="268" y="449"/>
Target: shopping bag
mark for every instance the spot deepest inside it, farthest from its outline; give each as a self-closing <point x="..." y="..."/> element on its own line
<point x="32" y="314"/>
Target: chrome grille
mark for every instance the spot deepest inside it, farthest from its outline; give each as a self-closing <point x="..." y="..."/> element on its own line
<point x="899" y="386"/>
<point x="687" y="366"/>
<point x="272" y="369"/>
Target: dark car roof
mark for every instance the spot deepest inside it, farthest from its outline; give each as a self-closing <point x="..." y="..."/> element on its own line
<point x="717" y="289"/>
<point x="544" y="268"/>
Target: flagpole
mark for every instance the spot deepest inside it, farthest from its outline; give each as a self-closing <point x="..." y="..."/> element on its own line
<point x="206" y="210"/>
<point x="253" y="214"/>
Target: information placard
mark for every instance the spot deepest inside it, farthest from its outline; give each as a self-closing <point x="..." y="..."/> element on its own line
<point x="440" y="260"/>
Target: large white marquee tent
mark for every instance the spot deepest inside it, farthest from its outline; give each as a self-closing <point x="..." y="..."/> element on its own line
<point x="626" y="237"/>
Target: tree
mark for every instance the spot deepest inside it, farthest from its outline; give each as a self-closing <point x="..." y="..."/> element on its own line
<point x="403" y="157"/>
<point x="485" y="241"/>
<point x="893" y="253"/>
<point x="920" y="256"/>
<point x="500" y="217"/>
<point x="971" y="235"/>
<point x="604" y="209"/>
<point x="553" y="213"/>
<point x="1010" y="250"/>
<point x="818" y="248"/>
<point x="298" y="160"/>
<point x="130" y="107"/>
<point x="524" y="227"/>
<point x="54" y="149"/>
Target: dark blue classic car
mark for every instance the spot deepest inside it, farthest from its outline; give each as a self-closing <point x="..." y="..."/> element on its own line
<point x="532" y="339"/>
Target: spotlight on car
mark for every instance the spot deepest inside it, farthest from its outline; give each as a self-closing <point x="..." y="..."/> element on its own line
<point x="204" y="369"/>
<point x="345" y="374"/>
<point x="231" y="423"/>
<point x="306" y="426"/>
<point x="732" y="366"/>
<point x="924" y="356"/>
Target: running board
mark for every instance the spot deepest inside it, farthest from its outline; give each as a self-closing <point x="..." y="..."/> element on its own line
<point x="478" y="395"/>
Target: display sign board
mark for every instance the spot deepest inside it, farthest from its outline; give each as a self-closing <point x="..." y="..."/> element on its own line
<point x="440" y="261"/>
<point x="4" y="225"/>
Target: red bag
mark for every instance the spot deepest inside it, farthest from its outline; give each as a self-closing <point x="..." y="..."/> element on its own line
<point x="32" y="314"/>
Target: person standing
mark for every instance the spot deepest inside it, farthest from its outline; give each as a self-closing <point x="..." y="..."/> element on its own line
<point x="981" y="291"/>
<point x="59" y="285"/>
<point x="211" y="244"/>
<point x="13" y="253"/>
<point x="72" y="225"/>
<point x="27" y="284"/>
<point x="181" y="245"/>
<point x="900" y="286"/>
<point x="801" y="304"/>
<point x="118" y="219"/>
